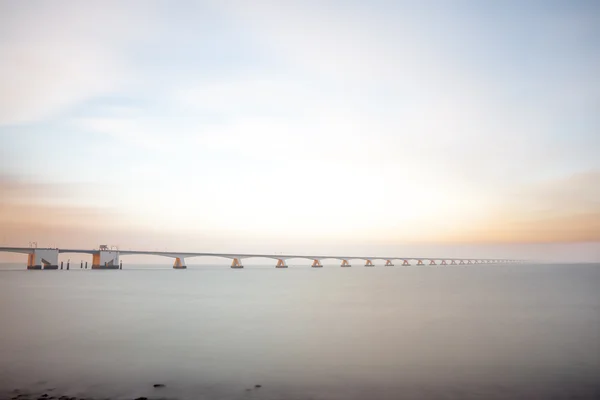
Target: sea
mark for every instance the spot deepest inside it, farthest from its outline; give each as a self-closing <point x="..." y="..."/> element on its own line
<point x="522" y="331"/>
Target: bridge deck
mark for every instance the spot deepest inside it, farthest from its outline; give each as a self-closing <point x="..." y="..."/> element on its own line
<point x="174" y="254"/>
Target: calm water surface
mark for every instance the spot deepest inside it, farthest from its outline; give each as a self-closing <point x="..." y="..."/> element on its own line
<point x="474" y="332"/>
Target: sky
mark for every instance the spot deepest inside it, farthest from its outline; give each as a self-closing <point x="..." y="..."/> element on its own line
<point x="425" y="128"/>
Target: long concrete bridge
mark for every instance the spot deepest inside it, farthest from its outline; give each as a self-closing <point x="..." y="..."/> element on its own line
<point x="108" y="258"/>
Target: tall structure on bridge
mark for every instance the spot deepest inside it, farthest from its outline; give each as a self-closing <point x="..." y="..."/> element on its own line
<point x="42" y="259"/>
<point x="105" y="258"/>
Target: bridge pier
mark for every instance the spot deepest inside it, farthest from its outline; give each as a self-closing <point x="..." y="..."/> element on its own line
<point x="388" y="263"/>
<point x="237" y="263"/>
<point x="432" y="262"/>
<point x="469" y="262"/>
<point x="281" y="263"/>
<point x="317" y="264"/>
<point x="462" y="262"/>
<point x="105" y="259"/>
<point x="443" y="262"/>
<point x="420" y="262"/>
<point x="179" y="263"/>
<point x="369" y="263"/>
<point x="43" y="259"/>
<point x="345" y="263"/>
<point x="453" y="262"/>
<point x="405" y="263"/>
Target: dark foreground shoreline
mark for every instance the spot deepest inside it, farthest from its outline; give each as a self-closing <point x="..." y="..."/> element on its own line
<point x="56" y="394"/>
<point x="49" y="395"/>
<point x="582" y="391"/>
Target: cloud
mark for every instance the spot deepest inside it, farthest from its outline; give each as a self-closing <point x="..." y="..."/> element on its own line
<point x="579" y="192"/>
<point x="57" y="55"/>
<point x="431" y="79"/>
<point x="344" y="43"/>
<point x="568" y="228"/>
<point x="44" y="79"/>
<point x="45" y="212"/>
<point x="134" y="131"/>
<point x="559" y="210"/>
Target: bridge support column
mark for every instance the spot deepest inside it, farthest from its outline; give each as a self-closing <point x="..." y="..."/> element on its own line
<point x="453" y="262"/>
<point x="432" y="262"/>
<point x="179" y="263"/>
<point x="462" y="262"/>
<point x="443" y="262"/>
<point x="105" y="259"/>
<point x="317" y="264"/>
<point x="345" y="263"/>
<point x="237" y="263"/>
<point x="420" y="262"/>
<point x="369" y="263"/>
<point x="405" y="263"/>
<point x="43" y="259"/>
<point x="281" y="264"/>
<point x="388" y="263"/>
<point x="469" y="262"/>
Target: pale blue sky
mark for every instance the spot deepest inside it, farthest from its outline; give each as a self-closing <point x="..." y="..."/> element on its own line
<point x="386" y="122"/>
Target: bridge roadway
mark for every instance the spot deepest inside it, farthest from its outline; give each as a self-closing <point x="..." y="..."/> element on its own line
<point x="104" y="258"/>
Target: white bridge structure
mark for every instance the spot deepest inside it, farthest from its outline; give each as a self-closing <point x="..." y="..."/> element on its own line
<point x="109" y="258"/>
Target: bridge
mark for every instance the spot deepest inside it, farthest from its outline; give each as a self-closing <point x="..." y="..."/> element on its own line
<point x="109" y="258"/>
